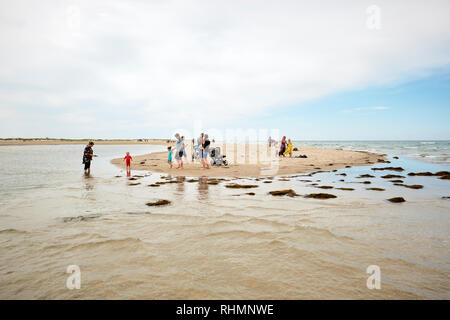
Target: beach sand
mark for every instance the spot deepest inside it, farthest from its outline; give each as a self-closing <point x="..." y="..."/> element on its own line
<point x="249" y="163"/>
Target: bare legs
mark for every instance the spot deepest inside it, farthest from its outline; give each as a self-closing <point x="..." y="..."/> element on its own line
<point x="205" y="163"/>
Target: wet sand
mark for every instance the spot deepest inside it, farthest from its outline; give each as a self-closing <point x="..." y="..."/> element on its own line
<point x="215" y="242"/>
<point x="256" y="161"/>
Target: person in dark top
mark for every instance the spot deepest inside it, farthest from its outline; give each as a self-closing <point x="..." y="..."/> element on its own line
<point x="87" y="157"/>
<point x="283" y="146"/>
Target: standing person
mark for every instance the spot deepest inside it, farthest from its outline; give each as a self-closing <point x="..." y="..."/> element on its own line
<point x="179" y="151"/>
<point x="128" y="159"/>
<point x="193" y="149"/>
<point x="169" y="158"/>
<point x="289" y="149"/>
<point x="205" y="150"/>
<point x="200" y="146"/>
<point x="282" y="146"/>
<point x="184" y="149"/>
<point x="87" y="158"/>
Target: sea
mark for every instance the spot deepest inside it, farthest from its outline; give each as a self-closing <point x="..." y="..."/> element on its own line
<point x="213" y="242"/>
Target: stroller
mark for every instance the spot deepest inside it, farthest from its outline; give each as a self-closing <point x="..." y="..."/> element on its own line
<point x="217" y="158"/>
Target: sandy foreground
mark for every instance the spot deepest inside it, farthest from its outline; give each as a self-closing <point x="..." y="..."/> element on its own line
<point x="28" y="142"/>
<point x="253" y="161"/>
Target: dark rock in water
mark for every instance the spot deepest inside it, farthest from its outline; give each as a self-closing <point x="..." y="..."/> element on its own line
<point x="305" y="180"/>
<point x="341" y="174"/>
<point x="441" y="174"/>
<point x="158" y="203"/>
<point x="422" y="174"/>
<point x="320" y="196"/>
<point x="241" y="186"/>
<point x="82" y="218"/>
<point x="397" y="200"/>
<point x="446" y="198"/>
<point x="447" y="177"/>
<point x="142" y="162"/>
<point x="397" y="181"/>
<point x="267" y="182"/>
<point x="365" y="176"/>
<point x="342" y="180"/>
<point x="376" y="189"/>
<point x="348" y="166"/>
<point x="317" y="168"/>
<point x="325" y="187"/>
<point x="284" y="180"/>
<point x="137" y="176"/>
<point x="334" y="171"/>
<point x="160" y="182"/>
<point x="134" y="184"/>
<point x="250" y="193"/>
<point x="398" y="169"/>
<point x="295" y="149"/>
<point x="392" y="176"/>
<point x="132" y="179"/>
<point x="192" y="180"/>
<point x="383" y="161"/>
<point x="154" y="185"/>
<point x="345" y="189"/>
<point x="288" y="192"/>
<point x="118" y="176"/>
<point x="415" y="186"/>
<point x="213" y="182"/>
<point x="396" y="158"/>
<point x="366" y="182"/>
<point x="314" y="184"/>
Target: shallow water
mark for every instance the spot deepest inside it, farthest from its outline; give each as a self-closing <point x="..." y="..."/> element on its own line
<point x="430" y="151"/>
<point x="213" y="242"/>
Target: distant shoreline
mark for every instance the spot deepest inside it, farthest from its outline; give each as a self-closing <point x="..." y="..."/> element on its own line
<point x="43" y="141"/>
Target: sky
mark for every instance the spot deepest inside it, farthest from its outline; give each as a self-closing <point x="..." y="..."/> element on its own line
<point x="322" y="70"/>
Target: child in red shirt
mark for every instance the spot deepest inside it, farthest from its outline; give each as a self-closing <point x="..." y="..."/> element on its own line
<point x="128" y="159"/>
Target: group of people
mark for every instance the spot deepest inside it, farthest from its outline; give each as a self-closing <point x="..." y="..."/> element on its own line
<point x="286" y="146"/>
<point x="199" y="151"/>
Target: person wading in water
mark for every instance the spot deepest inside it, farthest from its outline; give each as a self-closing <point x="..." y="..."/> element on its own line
<point x="87" y="158"/>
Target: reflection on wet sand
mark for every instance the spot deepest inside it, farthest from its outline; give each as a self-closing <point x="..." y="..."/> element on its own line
<point x="88" y="183"/>
<point x="180" y="184"/>
<point x="202" y="188"/>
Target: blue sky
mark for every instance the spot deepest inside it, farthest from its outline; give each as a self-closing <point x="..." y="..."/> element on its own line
<point x="413" y="110"/>
<point x="312" y="70"/>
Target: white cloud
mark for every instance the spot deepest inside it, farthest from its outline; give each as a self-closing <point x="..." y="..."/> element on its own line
<point x="160" y="63"/>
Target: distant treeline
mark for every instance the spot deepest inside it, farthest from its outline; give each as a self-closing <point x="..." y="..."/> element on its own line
<point x="62" y="139"/>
